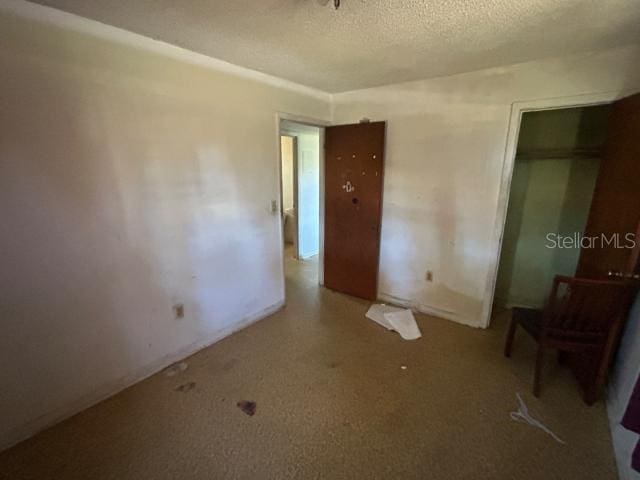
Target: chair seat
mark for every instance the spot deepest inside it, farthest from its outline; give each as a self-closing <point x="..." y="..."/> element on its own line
<point x="530" y="319"/>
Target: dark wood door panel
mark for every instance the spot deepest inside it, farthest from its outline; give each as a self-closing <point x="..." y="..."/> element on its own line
<point x="615" y="208"/>
<point x="615" y="211"/>
<point x="354" y="161"/>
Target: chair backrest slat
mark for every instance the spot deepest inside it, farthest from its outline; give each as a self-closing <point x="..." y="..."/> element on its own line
<point x="584" y="310"/>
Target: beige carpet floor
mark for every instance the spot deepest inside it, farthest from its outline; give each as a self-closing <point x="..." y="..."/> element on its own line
<point x="333" y="402"/>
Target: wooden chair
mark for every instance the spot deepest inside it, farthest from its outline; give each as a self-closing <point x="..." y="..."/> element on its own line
<point x="583" y="316"/>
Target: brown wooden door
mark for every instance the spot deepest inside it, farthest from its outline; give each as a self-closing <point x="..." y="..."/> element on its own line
<point x="615" y="208"/>
<point x="614" y="213"/>
<point x="354" y="163"/>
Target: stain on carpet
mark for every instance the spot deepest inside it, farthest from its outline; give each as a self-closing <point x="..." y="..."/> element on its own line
<point x="185" y="387"/>
<point x="247" y="407"/>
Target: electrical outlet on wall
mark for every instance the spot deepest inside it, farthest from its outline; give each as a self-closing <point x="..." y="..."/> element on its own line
<point x="178" y="310"/>
<point x="429" y="276"/>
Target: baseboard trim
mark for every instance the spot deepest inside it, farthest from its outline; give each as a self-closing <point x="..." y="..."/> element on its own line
<point x="110" y="389"/>
<point x="427" y="310"/>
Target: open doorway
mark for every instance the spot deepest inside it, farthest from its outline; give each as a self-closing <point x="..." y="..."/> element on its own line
<point x="301" y="192"/>
<point x="332" y="180"/>
<point x="556" y="166"/>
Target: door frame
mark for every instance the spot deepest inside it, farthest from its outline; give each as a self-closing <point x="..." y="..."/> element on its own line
<point x="321" y="124"/>
<point x="513" y="132"/>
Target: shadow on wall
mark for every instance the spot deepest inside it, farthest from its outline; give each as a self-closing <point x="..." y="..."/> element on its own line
<point x="513" y="225"/>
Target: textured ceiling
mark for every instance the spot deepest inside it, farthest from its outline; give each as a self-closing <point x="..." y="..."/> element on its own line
<point x="372" y="42"/>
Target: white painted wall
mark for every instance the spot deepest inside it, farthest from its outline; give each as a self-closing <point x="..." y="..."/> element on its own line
<point x="129" y="181"/>
<point x="621" y="382"/>
<point x="547" y="196"/>
<point x="309" y="193"/>
<point x="445" y="154"/>
<point x="286" y="155"/>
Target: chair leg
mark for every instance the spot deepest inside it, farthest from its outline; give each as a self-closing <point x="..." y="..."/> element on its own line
<point x="590" y="395"/>
<point x="538" y="370"/>
<point x="562" y="357"/>
<point x="511" y="333"/>
<point x="596" y="385"/>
